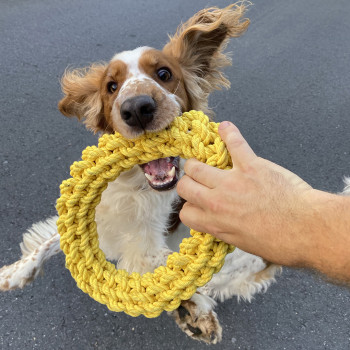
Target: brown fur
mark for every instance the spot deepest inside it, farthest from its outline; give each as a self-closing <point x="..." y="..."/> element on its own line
<point x="268" y="272"/>
<point x="153" y="60"/>
<point x="82" y="96"/>
<point x="198" y="46"/>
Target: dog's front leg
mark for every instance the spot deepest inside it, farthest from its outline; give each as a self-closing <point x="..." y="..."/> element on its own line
<point x="142" y="261"/>
<point x="158" y="258"/>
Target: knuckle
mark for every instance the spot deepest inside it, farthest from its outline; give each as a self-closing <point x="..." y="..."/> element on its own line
<point x="193" y="167"/>
<point x="189" y="165"/>
<point x="196" y="171"/>
<point x="235" y="140"/>
<point x="181" y="185"/>
<point x="249" y="168"/>
<point x="179" y="191"/>
<point x="214" y="230"/>
<point x="182" y="215"/>
<point x="214" y="205"/>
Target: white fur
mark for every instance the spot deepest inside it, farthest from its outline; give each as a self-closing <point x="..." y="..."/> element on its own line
<point x="131" y="58"/>
<point x="40" y="242"/>
<point x="131" y="221"/>
<point x="204" y="303"/>
<point x="239" y="277"/>
<point x="347" y="186"/>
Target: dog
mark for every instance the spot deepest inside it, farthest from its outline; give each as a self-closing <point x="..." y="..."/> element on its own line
<point x="139" y="91"/>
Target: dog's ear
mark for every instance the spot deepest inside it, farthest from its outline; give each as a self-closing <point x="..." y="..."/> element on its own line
<point x="82" y="99"/>
<point x="198" y="45"/>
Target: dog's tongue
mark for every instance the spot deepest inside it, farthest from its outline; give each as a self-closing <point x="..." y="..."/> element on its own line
<point x="161" y="173"/>
<point x="158" y="168"/>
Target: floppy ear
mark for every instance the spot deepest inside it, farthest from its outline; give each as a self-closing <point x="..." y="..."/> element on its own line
<point x="82" y="99"/>
<point x="198" y="45"/>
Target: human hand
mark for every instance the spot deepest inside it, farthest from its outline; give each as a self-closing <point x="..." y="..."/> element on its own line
<point x="257" y="206"/>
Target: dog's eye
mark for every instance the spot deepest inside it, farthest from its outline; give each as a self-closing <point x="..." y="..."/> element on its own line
<point x="112" y="86"/>
<point x="164" y="74"/>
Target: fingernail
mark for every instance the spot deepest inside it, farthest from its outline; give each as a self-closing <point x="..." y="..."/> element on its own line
<point x="224" y="125"/>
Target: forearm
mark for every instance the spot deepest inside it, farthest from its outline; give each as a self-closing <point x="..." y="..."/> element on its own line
<point x="328" y="231"/>
<point x="267" y="210"/>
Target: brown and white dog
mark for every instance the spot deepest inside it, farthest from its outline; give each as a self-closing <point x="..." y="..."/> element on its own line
<point x="138" y="91"/>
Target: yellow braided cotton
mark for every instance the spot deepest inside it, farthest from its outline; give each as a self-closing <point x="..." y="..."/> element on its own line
<point x="200" y="256"/>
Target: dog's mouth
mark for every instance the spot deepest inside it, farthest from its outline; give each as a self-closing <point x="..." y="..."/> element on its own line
<point x="163" y="173"/>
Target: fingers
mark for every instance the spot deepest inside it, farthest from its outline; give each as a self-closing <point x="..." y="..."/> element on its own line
<point x="192" y="191"/>
<point x="193" y="217"/>
<point x="197" y="219"/>
<point x="202" y="173"/>
<point x="240" y="151"/>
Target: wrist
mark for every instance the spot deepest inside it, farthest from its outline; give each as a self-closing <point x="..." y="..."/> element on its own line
<point x="326" y="229"/>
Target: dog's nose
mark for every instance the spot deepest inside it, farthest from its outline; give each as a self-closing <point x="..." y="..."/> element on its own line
<point x="138" y="110"/>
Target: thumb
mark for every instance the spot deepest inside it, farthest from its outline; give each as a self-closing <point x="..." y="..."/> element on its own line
<point x="240" y="151"/>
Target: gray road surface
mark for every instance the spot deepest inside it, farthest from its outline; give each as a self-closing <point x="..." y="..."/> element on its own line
<point x="290" y="96"/>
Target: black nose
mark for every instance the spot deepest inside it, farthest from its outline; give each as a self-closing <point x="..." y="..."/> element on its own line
<point x="138" y="110"/>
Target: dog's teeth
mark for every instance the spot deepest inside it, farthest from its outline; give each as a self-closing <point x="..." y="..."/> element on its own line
<point x="171" y="173"/>
<point x="149" y="177"/>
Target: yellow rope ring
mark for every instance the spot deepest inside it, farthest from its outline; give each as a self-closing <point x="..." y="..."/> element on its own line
<point x="200" y="256"/>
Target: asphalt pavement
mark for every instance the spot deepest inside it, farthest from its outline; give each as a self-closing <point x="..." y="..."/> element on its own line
<point x="290" y="97"/>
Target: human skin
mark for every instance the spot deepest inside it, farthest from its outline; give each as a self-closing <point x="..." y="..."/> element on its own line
<point x="266" y="210"/>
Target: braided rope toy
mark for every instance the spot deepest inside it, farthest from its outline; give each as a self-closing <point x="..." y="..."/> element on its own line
<point x="200" y="256"/>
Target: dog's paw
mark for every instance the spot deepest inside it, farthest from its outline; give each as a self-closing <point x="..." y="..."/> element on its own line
<point x="199" y="325"/>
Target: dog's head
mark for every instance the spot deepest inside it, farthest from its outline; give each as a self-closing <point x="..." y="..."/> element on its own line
<point x="144" y="89"/>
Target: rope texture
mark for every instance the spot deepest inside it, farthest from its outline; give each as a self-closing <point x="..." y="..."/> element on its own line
<point x="200" y="256"/>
